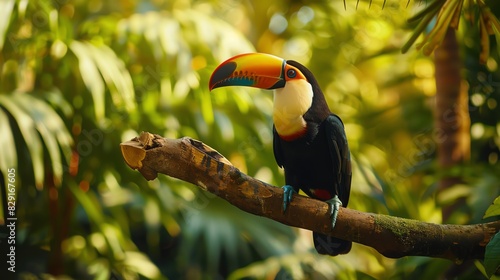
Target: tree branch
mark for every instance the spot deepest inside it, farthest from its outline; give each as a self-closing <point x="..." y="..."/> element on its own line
<point x="192" y="161"/>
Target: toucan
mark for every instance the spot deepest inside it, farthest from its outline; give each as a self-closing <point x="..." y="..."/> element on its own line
<point x="309" y="142"/>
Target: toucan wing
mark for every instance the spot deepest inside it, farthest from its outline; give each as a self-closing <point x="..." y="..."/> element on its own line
<point x="278" y="153"/>
<point x="341" y="156"/>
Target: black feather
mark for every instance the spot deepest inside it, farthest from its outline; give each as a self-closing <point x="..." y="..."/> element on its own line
<point x="319" y="162"/>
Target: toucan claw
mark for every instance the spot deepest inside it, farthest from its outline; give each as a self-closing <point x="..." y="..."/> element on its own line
<point x="335" y="205"/>
<point x="288" y="192"/>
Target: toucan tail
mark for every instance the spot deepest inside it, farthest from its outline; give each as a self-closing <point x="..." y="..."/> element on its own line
<point x="329" y="245"/>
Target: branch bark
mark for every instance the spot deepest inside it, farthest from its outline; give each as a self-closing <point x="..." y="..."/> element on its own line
<point x="194" y="162"/>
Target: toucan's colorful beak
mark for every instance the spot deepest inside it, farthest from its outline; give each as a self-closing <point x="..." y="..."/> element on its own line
<point x="253" y="70"/>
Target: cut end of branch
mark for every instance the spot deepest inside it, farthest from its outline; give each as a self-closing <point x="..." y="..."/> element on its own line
<point x="134" y="152"/>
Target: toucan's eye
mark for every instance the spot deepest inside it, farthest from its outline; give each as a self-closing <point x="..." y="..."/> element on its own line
<point x="291" y="73"/>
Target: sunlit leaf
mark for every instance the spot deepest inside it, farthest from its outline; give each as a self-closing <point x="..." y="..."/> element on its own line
<point x="436" y="35"/>
<point x="166" y="201"/>
<point x="52" y="130"/>
<point x="152" y="216"/>
<point x="206" y="106"/>
<point x="453" y="193"/>
<point x="170" y="29"/>
<point x="90" y="75"/>
<point x="422" y="25"/>
<point x="99" y="268"/>
<point x="56" y="99"/>
<point x="115" y="75"/>
<point x="446" y="14"/>
<point x="113" y="238"/>
<point x="22" y="5"/>
<point x="100" y="66"/>
<point x="143" y="265"/>
<point x="8" y="157"/>
<point x="31" y="137"/>
<point x="6" y="8"/>
<point x="494" y="209"/>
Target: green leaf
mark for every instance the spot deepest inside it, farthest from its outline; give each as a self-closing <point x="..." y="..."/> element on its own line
<point x="52" y="130"/>
<point x="100" y="66"/>
<point x="6" y="7"/>
<point x="8" y="157"/>
<point x="115" y="75"/>
<point x="423" y="18"/>
<point x="417" y="31"/>
<point x="492" y="255"/>
<point x="206" y="106"/>
<point x="89" y="203"/>
<point x="429" y="9"/>
<point x="57" y="101"/>
<point x="31" y="137"/>
<point x="494" y="209"/>
<point x="451" y="194"/>
<point x="90" y="75"/>
<point x="22" y="6"/>
<point x="142" y="265"/>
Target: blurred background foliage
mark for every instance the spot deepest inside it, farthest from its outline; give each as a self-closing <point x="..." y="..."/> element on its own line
<point x="79" y="77"/>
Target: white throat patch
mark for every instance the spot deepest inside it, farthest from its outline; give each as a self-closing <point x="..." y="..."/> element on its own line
<point x="290" y="104"/>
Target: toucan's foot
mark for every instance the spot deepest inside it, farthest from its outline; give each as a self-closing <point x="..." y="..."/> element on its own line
<point x="335" y="204"/>
<point x="288" y="192"/>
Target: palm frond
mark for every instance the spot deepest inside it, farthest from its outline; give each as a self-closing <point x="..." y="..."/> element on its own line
<point x="41" y="127"/>
<point x="215" y="233"/>
<point x="27" y="127"/>
<point x="100" y="68"/>
<point x="440" y="15"/>
<point x="52" y="130"/>
<point x="8" y="157"/>
<point x="6" y="8"/>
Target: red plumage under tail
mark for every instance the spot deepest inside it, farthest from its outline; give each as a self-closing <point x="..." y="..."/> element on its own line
<point x="329" y="245"/>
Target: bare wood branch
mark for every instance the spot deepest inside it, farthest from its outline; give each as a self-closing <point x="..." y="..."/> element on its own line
<point x="194" y="162"/>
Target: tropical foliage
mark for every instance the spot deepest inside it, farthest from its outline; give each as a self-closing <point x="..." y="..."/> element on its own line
<point x="79" y="77"/>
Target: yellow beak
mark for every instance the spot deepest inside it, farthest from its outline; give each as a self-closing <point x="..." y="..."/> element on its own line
<point x="258" y="70"/>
